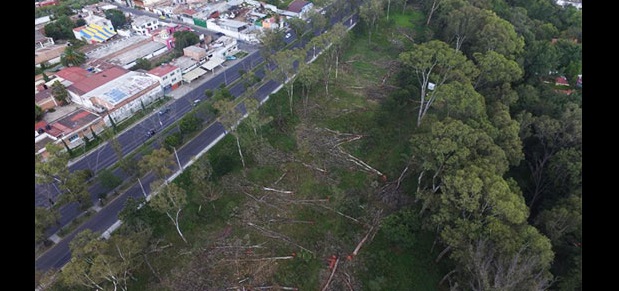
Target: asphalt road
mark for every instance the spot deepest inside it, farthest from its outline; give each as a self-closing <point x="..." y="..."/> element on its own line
<point x="59" y="254"/>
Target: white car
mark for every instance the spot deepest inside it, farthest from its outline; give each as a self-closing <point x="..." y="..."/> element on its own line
<point x="288" y="35"/>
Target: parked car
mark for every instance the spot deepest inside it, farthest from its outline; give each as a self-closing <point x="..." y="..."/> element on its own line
<point x="164" y="111"/>
<point x="288" y="35"/>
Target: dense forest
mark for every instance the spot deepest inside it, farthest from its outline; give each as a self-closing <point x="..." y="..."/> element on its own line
<point x="434" y="146"/>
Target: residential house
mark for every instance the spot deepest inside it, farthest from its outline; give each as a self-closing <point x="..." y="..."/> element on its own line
<point x="70" y="130"/>
<point x="45" y="99"/>
<point x="195" y="52"/>
<point x="168" y="75"/>
<point x="145" y="24"/>
<point x="300" y="7"/>
<point x="42" y="41"/>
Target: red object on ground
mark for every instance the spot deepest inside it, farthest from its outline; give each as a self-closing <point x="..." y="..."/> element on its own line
<point x="332" y="262"/>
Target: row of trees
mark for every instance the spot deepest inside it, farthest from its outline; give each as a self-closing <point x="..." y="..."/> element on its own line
<point x="498" y="151"/>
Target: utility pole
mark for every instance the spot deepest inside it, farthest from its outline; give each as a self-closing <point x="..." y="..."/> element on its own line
<point x="177" y="160"/>
<point x="143" y="192"/>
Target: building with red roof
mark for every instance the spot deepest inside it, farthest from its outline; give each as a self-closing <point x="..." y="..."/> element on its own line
<point x="300" y="7"/>
<point x="168" y="75"/>
<point x="72" y="129"/>
<point x="85" y="81"/>
<point x="561" y="81"/>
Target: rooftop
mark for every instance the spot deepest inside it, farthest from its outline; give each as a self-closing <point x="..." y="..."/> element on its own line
<point x="184" y="62"/>
<point x="109" y="48"/>
<point x="124" y="87"/>
<point x="42" y="95"/>
<point x="143" y="19"/>
<point x="162" y="70"/>
<point x="297" y="5"/>
<point x="74" y="120"/>
<point x="96" y="80"/>
<point x="137" y="52"/>
<point x="72" y="74"/>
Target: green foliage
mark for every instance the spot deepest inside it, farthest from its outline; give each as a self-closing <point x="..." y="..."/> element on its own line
<point x="396" y="267"/>
<point x="183" y="39"/>
<point x="43" y="218"/>
<point x="61" y="29"/>
<point x="38" y="113"/>
<point x="108" y="179"/>
<point x="72" y="57"/>
<point x="142" y="64"/>
<point x="190" y="123"/>
<point x="173" y="140"/>
<point x="117" y="17"/>
<point x="80" y="22"/>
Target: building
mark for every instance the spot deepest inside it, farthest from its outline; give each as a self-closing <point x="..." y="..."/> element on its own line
<point x="82" y="82"/>
<point x="145" y="24"/>
<point x="113" y="92"/>
<point x="168" y="75"/>
<point x="72" y="129"/>
<point x="186" y="64"/>
<point x="45" y="99"/>
<point x="300" y="7"/>
<point x="46" y="3"/>
<point x="196" y="53"/>
<point x="49" y="54"/>
<point x="146" y="50"/>
<point x="97" y="29"/>
<point x="146" y="4"/>
<point x="42" y="41"/>
<point x="236" y="29"/>
<point x="223" y="47"/>
<point x="121" y="97"/>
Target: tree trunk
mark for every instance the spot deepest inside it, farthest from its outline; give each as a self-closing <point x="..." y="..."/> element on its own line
<point x="434" y="7"/>
<point x="175" y="221"/>
<point x="238" y="145"/>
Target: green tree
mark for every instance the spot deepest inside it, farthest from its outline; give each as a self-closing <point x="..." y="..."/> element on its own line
<point x="159" y="161"/>
<point x="435" y="62"/>
<point x="370" y="12"/>
<point x="60" y="93"/>
<point x="308" y="77"/>
<point x="38" y="113"/>
<point x="496" y="69"/>
<point x="75" y="189"/>
<point x="498" y="35"/>
<point x="200" y="176"/>
<point x="60" y="29"/>
<point x="117" y="17"/>
<point x="183" y="39"/>
<point x="96" y="263"/>
<point x="43" y="218"/>
<point x="170" y="198"/>
<point x="55" y="168"/>
<point x="80" y="22"/>
<point x="544" y="138"/>
<point x="230" y="117"/>
<point x="190" y="123"/>
<point x="272" y="41"/>
<point x="285" y="71"/>
<point x="142" y="64"/>
<point x="72" y="57"/>
<point x="108" y="179"/>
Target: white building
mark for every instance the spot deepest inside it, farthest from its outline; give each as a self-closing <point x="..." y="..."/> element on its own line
<point x="125" y="95"/>
<point x="144" y="24"/>
<point x="235" y="29"/>
<point x="168" y="75"/>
